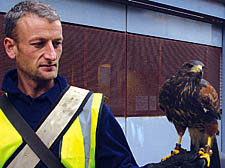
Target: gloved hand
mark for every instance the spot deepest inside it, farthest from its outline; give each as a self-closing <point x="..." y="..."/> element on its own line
<point x="185" y="159"/>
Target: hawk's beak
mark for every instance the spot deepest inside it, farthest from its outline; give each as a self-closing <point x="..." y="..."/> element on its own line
<point x="197" y="68"/>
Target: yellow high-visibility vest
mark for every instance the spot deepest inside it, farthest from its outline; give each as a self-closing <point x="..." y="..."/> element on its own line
<point x="78" y="143"/>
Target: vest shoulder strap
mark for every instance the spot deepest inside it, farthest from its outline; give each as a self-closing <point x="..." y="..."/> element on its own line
<point x="28" y="134"/>
<point x="65" y="112"/>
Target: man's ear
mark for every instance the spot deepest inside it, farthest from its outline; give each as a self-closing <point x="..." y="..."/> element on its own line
<point x="10" y="47"/>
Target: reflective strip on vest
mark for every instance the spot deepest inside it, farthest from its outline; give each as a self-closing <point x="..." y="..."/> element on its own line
<point x="8" y="147"/>
<point x="79" y="142"/>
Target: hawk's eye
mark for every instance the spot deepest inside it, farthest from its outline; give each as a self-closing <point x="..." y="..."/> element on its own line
<point x="189" y="65"/>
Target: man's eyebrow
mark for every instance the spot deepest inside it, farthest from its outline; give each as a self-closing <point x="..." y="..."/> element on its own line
<point x="43" y="39"/>
<point x="38" y="39"/>
<point x="58" y="39"/>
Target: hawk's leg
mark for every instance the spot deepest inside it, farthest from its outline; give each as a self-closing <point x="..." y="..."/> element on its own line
<point x="211" y="130"/>
<point x="178" y="145"/>
<point x="206" y="152"/>
<point x="180" y="130"/>
<point x="176" y="151"/>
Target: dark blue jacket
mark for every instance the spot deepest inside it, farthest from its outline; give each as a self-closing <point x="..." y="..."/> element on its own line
<point x="112" y="150"/>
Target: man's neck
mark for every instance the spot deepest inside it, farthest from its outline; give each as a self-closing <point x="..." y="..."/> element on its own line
<point x="34" y="88"/>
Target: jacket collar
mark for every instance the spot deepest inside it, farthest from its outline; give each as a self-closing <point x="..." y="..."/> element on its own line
<point x="10" y="81"/>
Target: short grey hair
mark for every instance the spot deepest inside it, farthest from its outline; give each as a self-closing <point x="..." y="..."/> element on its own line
<point x="27" y="7"/>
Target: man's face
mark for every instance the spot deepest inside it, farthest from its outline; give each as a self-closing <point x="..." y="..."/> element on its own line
<point x="38" y="48"/>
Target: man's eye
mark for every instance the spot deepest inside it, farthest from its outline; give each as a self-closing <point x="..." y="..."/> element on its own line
<point x="57" y="44"/>
<point x="38" y="44"/>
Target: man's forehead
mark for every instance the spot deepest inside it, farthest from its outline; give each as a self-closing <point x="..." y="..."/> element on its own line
<point x="35" y="18"/>
<point x="35" y="23"/>
<point x="35" y="26"/>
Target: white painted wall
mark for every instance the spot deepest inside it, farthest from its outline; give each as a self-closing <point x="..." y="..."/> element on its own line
<point x="152" y="138"/>
<point x="142" y="21"/>
<point x="207" y="7"/>
<point x="110" y="15"/>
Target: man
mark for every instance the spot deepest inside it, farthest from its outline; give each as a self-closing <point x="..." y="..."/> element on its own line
<point x="33" y="38"/>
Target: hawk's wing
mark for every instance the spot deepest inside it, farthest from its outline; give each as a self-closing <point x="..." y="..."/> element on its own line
<point x="209" y="101"/>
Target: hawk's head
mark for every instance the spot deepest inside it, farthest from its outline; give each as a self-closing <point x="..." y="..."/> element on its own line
<point x="193" y="68"/>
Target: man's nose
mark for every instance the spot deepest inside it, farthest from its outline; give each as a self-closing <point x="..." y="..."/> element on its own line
<point x="50" y="51"/>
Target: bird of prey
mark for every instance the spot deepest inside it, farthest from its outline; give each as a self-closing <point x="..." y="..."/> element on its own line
<point x="192" y="102"/>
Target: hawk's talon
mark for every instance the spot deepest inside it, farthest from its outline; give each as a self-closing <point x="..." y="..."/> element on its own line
<point x="205" y="155"/>
<point x="174" y="152"/>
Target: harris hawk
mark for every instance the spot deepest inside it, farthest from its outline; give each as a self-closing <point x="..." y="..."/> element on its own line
<point x="191" y="102"/>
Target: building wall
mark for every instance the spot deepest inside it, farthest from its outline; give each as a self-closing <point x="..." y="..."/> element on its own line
<point x="151" y="137"/>
<point x="200" y="6"/>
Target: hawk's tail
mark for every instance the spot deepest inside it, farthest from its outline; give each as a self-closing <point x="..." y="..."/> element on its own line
<point x="199" y="140"/>
<point x="215" y="158"/>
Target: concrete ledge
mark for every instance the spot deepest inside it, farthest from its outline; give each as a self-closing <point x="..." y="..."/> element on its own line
<point x="222" y="159"/>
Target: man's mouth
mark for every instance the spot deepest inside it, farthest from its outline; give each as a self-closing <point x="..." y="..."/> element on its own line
<point x="48" y="65"/>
